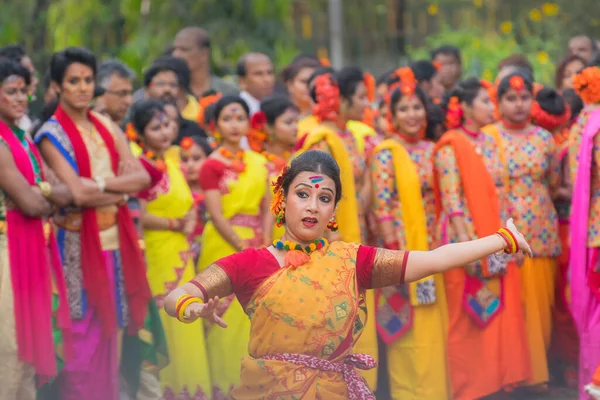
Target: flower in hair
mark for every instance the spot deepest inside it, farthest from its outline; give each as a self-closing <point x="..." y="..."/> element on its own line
<point x="548" y="121"/>
<point x="587" y="85"/>
<point x="278" y="195"/>
<point x="371" y="85"/>
<point x="454" y="113"/>
<point x="327" y="93"/>
<point x="437" y="65"/>
<point x="517" y="83"/>
<point x="131" y="133"/>
<point x="187" y="143"/>
<point x="258" y="120"/>
<point x="408" y="82"/>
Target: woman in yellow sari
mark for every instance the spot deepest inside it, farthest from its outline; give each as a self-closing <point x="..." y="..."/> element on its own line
<point x="332" y="136"/>
<point x="237" y="197"/>
<point x="303" y="295"/>
<point x="167" y="218"/>
<point x="411" y="319"/>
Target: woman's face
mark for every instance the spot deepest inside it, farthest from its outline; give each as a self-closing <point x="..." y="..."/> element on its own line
<point x="309" y="205"/>
<point x="355" y="110"/>
<point x="173" y="120"/>
<point x="77" y="87"/>
<point x="157" y="134"/>
<point x="13" y="98"/>
<point x="298" y="88"/>
<point x="515" y="106"/>
<point x="191" y="162"/>
<point x="286" y="128"/>
<point x="482" y="110"/>
<point x="571" y="70"/>
<point x="233" y="123"/>
<point x="410" y="115"/>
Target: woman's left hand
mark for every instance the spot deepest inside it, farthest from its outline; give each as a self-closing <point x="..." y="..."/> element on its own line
<point x="523" y="245"/>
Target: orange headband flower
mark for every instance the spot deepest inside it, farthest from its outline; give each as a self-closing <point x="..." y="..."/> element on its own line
<point x="517" y="83"/>
<point x="186" y="144"/>
<point x="327" y="106"/>
<point x="454" y="113"/>
<point x="278" y="195"/>
<point x="371" y="86"/>
<point x="205" y="102"/>
<point x="587" y="85"/>
<point x="408" y="82"/>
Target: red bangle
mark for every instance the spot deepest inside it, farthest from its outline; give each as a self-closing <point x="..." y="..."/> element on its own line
<point x="403" y="270"/>
<point x="515" y="239"/>
<point x="202" y="289"/>
<point x="508" y="247"/>
<point x="177" y="309"/>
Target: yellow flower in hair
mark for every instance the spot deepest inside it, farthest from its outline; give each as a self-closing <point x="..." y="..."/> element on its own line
<point x="506" y="27"/>
<point x="432" y="9"/>
<point x="543" y="57"/>
<point x="550" y="9"/>
<point x="535" y="15"/>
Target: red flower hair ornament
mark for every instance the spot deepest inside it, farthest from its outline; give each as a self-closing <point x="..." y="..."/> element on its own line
<point x="517" y="83"/>
<point x="454" y="113"/>
<point x="186" y="143"/>
<point x="258" y="120"/>
<point x="327" y="93"/>
<point x="549" y="122"/>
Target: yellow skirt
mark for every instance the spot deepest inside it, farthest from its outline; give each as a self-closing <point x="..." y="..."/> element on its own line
<point x="417" y="360"/>
<point x="537" y="278"/>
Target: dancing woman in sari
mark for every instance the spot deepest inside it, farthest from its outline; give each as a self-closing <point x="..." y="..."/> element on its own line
<point x="237" y="198"/>
<point x="584" y="264"/>
<point x="333" y="137"/>
<point x="528" y="152"/>
<point x="303" y="294"/>
<point x="411" y="319"/>
<point x="104" y="267"/>
<point x="168" y="218"/>
<point x="487" y="346"/>
<point x="29" y="260"/>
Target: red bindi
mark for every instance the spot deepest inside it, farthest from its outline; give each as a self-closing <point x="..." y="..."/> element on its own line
<point x="317" y="186"/>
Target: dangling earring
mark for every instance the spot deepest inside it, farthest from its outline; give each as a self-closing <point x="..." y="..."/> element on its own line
<point x="332" y="225"/>
<point x="280" y="218"/>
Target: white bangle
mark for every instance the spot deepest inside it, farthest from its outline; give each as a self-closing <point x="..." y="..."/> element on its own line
<point x="101" y="183"/>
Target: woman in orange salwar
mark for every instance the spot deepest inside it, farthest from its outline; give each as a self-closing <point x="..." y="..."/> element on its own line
<point x="487" y="346"/>
<point x="411" y="319"/>
<point x="303" y="294"/>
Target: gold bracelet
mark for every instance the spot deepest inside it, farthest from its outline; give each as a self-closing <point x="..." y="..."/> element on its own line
<point x="45" y="188"/>
<point x="101" y="183"/>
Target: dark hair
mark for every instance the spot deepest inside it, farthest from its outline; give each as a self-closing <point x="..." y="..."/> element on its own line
<point x="142" y="113"/>
<point x="61" y="60"/>
<point x="397" y="95"/>
<point x="560" y="70"/>
<point x="447" y="50"/>
<point x="209" y="114"/>
<point x="107" y="69"/>
<point x="275" y="105"/>
<point x="202" y="36"/>
<point x="466" y="91"/>
<point x="305" y="56"/>
<point x="169" y="63"/>
<point x="314" y="161"/>
<point x="13" y="52"/>
<point x="227" y="100"/>
<point x="9" y="66"/>
<point x="504" y="84"/>
<point x="320" y="71"/>
<point x="517" y="60"/>
<point x="203" y="144"/>
<point x="384" y="78"/>
<point x="574" y="101"/>
<point x="290" y="72"/>
<point x="435" y="118"/>
<point x="348" y="79"/>
<point x="551" y="101"/>
<point x="424" y="70"/>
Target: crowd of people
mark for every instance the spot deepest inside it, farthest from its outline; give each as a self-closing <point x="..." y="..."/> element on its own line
<point x="127" y="214"/>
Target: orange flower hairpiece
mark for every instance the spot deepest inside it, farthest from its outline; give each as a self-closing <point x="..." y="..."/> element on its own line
<point x="437" y="65"/>
<point x="517" y="83"/>
<point x="131" y="133"/>
<point x="278" y="195"/>
<point x="454" y="113"/>
<point x="187" y="143"/>
<point x="408" y="82"/>
<point x="587" y="85"/>
<point x="548" y="121"/>
<point x="208" y="100"/>
<point x="327" y="106"/>
<point x="371" y="86"/>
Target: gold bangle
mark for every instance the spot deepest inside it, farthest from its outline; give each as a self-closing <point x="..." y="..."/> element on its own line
<point x="183" y="302"/>
<point x="45" y="188"/>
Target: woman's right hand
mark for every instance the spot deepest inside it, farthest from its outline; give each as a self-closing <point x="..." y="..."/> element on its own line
<point x="206" y="311"/>
<point x="522" y="242"/>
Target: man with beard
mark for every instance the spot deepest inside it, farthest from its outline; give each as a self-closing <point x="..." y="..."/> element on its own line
<point x="161" y="81"/>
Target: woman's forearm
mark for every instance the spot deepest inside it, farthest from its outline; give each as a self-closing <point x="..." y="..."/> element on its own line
<point x="131" y="182"/>
<point x="61" y="195"/>
<point x="424" y="263"/>
<point x="98" y="200"/>
<point x="155" y="223"/>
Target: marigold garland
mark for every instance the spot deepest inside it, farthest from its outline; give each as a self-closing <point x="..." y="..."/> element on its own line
<point x="548" y="121"/>
<point x="327" y="107"/>
<point x="237" y="159"/>
<point x="587" y="85"/>
<point x="454" y="113"/>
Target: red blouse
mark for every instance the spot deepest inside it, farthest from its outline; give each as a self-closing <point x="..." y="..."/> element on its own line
<point x="251" y="267"/>
<point x="211" y="173"/>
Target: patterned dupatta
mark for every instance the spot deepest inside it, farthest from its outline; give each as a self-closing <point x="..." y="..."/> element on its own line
<point x="481" y="300"/>
<point x="394" y="304"/>
<point x="304" y="322"/>
<point x="34" y="263"/>
<point x="95" y="277"/>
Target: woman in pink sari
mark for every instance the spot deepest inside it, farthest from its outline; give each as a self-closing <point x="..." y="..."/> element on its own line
<point x="104" y="266"/>
<point x="29" y="262"/>
<point x="584" y="263"/>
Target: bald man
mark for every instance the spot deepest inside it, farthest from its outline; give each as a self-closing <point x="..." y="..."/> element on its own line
<point x="256" y="77"/>
<point x="193" y="45"/>
<point x="582" y="46"/>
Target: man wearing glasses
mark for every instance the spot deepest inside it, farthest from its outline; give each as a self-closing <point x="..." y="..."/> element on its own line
<point x="115" y="80"/>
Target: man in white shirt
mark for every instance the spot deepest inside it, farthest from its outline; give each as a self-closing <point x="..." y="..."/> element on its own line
<point x="256" y="78"/>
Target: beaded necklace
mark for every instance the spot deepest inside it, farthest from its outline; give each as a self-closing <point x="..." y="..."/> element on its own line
<point x="297" y="254"/>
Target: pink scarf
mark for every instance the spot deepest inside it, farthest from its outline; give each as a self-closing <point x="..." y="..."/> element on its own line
<point x="33" y="265"/>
